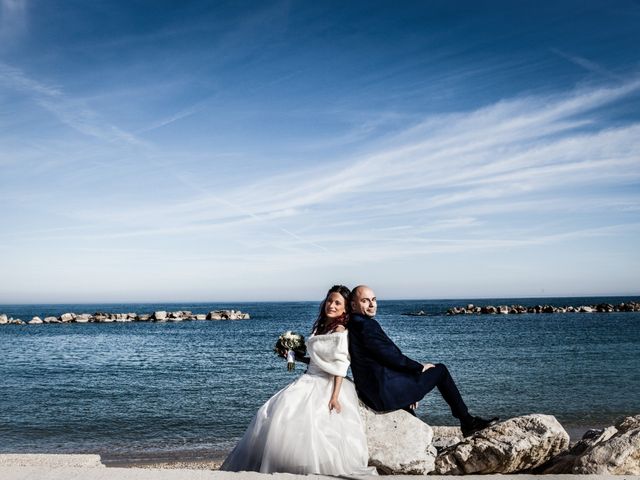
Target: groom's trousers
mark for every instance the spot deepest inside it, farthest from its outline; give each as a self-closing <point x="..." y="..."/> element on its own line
<point x="440" y="377"/>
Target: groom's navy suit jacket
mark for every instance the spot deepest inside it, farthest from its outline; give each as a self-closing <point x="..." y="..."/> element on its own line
<point x="385" y="378"/>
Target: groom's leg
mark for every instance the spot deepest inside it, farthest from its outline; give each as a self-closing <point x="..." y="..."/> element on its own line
<point x="440" y="377"/>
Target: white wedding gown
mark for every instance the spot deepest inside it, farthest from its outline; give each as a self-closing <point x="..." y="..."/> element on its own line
<point x="294" y="431"/>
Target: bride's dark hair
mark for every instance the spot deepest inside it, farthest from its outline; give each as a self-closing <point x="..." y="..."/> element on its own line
<point x="325" y="325"/>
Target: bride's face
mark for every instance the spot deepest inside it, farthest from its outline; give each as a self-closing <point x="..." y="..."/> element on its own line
<point x="334" y="306"/>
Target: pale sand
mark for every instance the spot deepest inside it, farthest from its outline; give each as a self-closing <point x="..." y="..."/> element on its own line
<point x="88" y="467"/>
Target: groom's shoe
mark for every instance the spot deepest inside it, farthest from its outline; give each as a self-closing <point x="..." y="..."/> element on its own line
<point x="475" y="424"/>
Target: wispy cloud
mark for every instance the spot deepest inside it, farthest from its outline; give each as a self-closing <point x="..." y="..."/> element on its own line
<point x="587" y="64"/>
<point x="447" y="173"/>
<point x="68" y="110"/>
<point x="12" y="77"/>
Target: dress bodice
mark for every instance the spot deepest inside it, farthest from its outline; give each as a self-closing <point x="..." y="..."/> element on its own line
<point x="328" y="354"/>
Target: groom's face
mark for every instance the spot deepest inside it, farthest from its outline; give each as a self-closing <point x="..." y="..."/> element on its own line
<point x="365" y="302"/>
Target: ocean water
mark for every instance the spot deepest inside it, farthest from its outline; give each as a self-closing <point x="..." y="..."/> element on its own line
<point x="140" y="391"/>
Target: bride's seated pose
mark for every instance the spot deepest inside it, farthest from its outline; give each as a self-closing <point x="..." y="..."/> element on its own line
<point x="312" y="425"/>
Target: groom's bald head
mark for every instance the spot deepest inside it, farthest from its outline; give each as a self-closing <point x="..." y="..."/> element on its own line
<point x="363" y="301"/>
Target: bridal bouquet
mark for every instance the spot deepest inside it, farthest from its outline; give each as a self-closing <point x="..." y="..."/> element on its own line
<point x="288" y="344"/>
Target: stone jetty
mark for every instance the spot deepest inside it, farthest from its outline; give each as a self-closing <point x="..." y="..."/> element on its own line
<point x="103" y="317"/>
<point x="520" y="309"/>
<point x="472" y="309"/>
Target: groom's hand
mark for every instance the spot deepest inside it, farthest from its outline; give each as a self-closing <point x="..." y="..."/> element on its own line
<point x="427" y="366"/>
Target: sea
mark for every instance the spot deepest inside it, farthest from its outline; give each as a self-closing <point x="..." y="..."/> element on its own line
<point x="147" y="391"/>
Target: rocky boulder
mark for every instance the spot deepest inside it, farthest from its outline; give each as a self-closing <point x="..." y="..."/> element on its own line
<point x="35" y="321"/>
<point x="227" y="315"/>
<point x="160" y="316"/>
<point x="3" y="319"/>
<point x="399" y="443"/>
<point x="612" y="451"/>
<point x="67" y="317"/>
<point x="445" y="437"/>
<point x="515" y="445"/>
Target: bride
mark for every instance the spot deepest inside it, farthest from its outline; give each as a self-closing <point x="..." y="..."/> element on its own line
<point x="312" y="425"/>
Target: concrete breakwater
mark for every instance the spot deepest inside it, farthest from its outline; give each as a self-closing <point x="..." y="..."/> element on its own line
<point x="519" y="309"/>
<point x="102" y="317"/>
<point x="472" y="309"/>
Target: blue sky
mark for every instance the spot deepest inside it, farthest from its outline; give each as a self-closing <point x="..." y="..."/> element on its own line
<point x="185" y="151"/>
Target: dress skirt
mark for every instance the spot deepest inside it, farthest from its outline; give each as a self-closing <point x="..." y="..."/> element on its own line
<point x="294" y="432"/>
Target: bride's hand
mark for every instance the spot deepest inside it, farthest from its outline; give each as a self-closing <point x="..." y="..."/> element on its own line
<point x="334" y="404"/>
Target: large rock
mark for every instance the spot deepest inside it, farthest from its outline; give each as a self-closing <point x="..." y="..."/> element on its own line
<point x="51" y="320"/>
<point x="83" y="318"/>
<point x="227" y="315"/>
<point x="399" y="443"/>
<point x="35" y="321"/>
<point x="518" y="444"/>
<point x="564" y="463"/>
<point x="3" y="319"/>
<point x="445" y="437"/>
<point x="160" y="316"/>
<point x="67" y="317"/>
<point x="612" y="451"/>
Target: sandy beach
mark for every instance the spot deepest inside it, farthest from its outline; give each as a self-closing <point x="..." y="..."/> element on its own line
<point x="89" y="467"/>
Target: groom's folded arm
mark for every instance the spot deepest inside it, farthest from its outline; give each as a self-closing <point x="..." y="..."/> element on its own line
<point x="385" y="351"/>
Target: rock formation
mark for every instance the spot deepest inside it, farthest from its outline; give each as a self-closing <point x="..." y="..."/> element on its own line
<point x="102" y="317"/>
<point x="227" y="315"/>
<point x="517" y="444"/>
<point x="612" y="451"/>
<point x="398" y="442"/>
<point x="519" y="309"/>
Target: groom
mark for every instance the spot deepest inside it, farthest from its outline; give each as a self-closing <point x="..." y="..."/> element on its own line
<point x="388" y="380"/>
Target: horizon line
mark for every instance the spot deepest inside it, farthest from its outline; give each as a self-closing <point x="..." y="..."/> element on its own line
<point x="173" y="302"/>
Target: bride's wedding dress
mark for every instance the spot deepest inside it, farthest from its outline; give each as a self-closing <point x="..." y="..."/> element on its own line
<point x="294" y="431"/>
